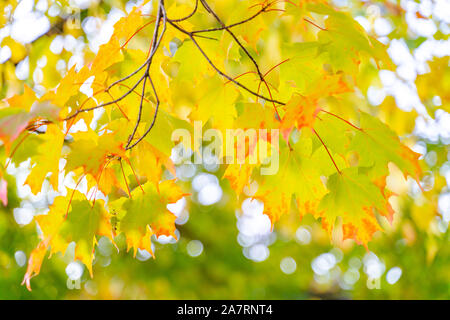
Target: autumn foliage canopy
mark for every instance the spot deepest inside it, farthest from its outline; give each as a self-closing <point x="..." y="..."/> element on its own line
<point x="294" y="66"/>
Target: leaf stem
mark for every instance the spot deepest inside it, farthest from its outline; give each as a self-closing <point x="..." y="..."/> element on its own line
<point x="331" y="157"/>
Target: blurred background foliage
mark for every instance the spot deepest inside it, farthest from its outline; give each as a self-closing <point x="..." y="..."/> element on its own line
<point x="224" y="253"/>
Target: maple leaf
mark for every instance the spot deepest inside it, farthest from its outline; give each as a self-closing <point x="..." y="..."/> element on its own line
<point x="345" y="41"/>
<point x="300" y="112"/>
<point x="74" y="218"/>
<point x="299" y="175"/>
<point x="22" y="110"/>
<point x="71" y="218"/>
<point x="216" y="104"/>
<point x="128" y="25"/>
<point x="69" y="86"/>
<point x="298" y="66"/>
<point x="146" y="213"/>
<point x="24" y="100"/>
<point x="161" y="137"/>
<point x="25" y="147"/>
<point x="107" y="180"/>
<point x="12" y="122"/>
<point x="149" y="162"/>
<point x="353" y="198"/>
<point x="436" y="83"/>
<point x="91" y="152"/>
<point x="4" y="192"/>
<point x="239" y="176"/>
<point x="108" y="54"/>
<point x="111" y="53"/>
<point x="377" y="145"/>
<point x="248" y="148"/>
<point x="35" y="262"/>
<point x="47" y="160"/>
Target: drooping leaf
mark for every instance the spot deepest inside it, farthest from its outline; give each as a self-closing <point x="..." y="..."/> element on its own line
<point x="353" y="198"/>
<point x="377" y="145"/>
<point x="74" y="218"/>
<point x="4" y="192"/>
<point x="47" y="160"/>
<point x="146" y="213"/>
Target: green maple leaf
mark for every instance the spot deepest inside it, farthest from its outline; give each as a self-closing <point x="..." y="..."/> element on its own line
<point x="353" y="198"/>
<point x="377" y="145"/>
<point x="73" y="218"/>
<point x="146" y="213"/>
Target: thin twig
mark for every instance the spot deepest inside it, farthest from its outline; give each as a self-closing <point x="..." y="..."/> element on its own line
<point x="223" y="27"/>
<point x="138" y="121"/>
<point x="191" y="36"/>
<point x="261" y="77"/>
<point x="155" y="45"/>
<point x="189" y="15"/>
<point x="154" y="116"/>
<point x="106" y="103"/>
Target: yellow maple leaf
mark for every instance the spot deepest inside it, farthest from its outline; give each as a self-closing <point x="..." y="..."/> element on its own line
<point x="47" y="161"/>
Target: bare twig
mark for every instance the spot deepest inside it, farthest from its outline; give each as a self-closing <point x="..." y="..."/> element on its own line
<point x="106" y="103"/>
<point x="138" y="121"/>
<point x="191" y="36"/>
<point x="155" y="45"/>
<point x="189" y="15"/>
<point x="223" y="27"/>
<point x="154" y="117"/>
<point x="261" y="77"/>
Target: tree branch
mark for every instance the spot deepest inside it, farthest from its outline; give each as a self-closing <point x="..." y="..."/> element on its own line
<point x="155" y="45"/>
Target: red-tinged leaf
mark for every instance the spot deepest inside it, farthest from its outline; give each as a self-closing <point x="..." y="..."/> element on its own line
<point x="300" y="112"/>
<point x="12" y="122"/>
<point x="35" y="262"/>
<point x="4" y="191"/>
<point x="239" y="176"/>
